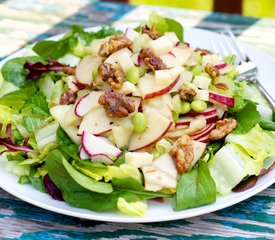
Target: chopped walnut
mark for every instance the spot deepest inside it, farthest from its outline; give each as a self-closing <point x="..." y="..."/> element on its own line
<point x="187" y="94"/>
<point x="111" y="75"/>
<point x="67" y="97"/>
<point x="222" y="86"/>
<point x="114" y="43"/>
<point x="151" y="32"/>
<point x="69" y="70"/>
<point x="212" y="70"/>
<point x="116" y="105"/>
<point x="202" y="51"/>
<point x="183" y="152"/>
<point x="222" y="128"/>
<point x="152" y="61"/>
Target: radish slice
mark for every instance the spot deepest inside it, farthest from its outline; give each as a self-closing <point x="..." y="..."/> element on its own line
<point x="103" y="158"/>
<point x="207" y="112"/>
<point x="202" y="133"/>
<point x="229" y="101"/>
<point x="82" y="154"/>
<point x="221" y="65"/>
<point x="94" y="145"/>
<point x="172" y="54"/>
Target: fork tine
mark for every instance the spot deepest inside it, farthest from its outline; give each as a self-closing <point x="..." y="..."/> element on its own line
<point x="231" y="50"/>
<point x="238" y="47"/>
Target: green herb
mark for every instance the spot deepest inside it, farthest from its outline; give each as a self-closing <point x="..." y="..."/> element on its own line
<point x="195" y="188"/>
<point x="267" y="124"/>
<point x="31" y="123"/>
<point x="14" y="72"/>
<point x="247" y="118"/>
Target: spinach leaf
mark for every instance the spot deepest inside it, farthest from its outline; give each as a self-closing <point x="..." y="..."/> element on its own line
<point x="67" y="147"/>
<point x="247" y="118"/>
<point x="174" y="26"/>
<point x="267" y="124"/>
<point x="14" y="72"/>
<point x="38" y="104"/>
<point x="195" y="188"/>
<point x="75" y="194"/>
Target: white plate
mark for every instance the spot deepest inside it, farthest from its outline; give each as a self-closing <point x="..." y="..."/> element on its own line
<point x="156" y="211"/>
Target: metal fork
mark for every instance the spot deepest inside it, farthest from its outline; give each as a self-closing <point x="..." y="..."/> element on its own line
<point x="228" y="44"/>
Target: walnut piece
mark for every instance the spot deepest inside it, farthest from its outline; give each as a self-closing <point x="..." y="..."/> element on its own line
<point x="183" y="152"/>
<point x="187" y="94"/>
<point x="111" y="75"/>
<point x="151" y="32"/>
<point x="116" y="105"/>
<point x="113" y="44"/>
<point x="222" y="128"/>
<point x="152" y="61"/>
<point x="67" y="97"/>
<point x="202" y="51"/>
<point x="212" y="70"/>
<point x="222" y="86"/>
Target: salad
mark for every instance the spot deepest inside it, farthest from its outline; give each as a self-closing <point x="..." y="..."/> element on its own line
<point x="109" y="120"/>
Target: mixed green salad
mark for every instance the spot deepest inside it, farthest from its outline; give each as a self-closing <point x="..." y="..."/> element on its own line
<point x="108" y="120"/>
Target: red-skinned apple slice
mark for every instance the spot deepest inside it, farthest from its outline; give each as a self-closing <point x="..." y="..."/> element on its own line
<point x="203" y="132"/>
<point x="151" y="90"/>
<point x="207" y="112"/>
<point x="87" y="103"/>
<point x="94" y="146"/>
<point x="204" y="139"/>
<point x="157" y="127"/>
<point x="187" y="120"/>
<point x="229" y="101"/>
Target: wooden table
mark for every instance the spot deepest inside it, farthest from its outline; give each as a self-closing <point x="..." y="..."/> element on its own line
<point x="23" y="22"/>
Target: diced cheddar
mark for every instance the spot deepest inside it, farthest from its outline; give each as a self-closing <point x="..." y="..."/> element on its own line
<point x="202" y="95"/>
<point x="201" y="82"/>
<point x="125" y="61"/>
<point x="161" y="45"/>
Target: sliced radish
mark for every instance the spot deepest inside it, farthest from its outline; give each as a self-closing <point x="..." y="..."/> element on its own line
<point x="103" y="158"/>
<point x="203" y="132"/>
<point x="221" y="65"/>
<point x="82" y="154"/>
<point x="87" y="103"/>
<point x="229" y="101"/>
<point x="207" y="112"/>
<point x="94" y="145"/>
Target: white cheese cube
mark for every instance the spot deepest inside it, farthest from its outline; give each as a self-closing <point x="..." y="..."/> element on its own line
<point x="161" y="45"/>
<point x="131" y="34"/>
<point x="172" y="37"/>
<point x="138" y="159"/>
<point x="163" y="77"/>
<point x="201" y="82"/>
<point x="202" y="95"/>
<point x="186" y="76"/>
<point x="125" y="61"/>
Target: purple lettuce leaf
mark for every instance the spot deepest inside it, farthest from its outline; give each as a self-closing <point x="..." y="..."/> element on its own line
<point x="52" y="189"/>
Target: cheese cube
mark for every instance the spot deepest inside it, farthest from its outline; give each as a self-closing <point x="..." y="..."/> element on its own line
<point x="201" y="82"/>
<point x="161" y="45"/>
<point x="202" y="95"/>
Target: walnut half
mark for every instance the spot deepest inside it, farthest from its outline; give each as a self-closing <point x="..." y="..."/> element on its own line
<point x="183" y="152"/>
<point x="187" y="94"/>
<point x="151" y="32"/>
<point x="212" y="70"/>
<point x="152" y="61"/>
<point x="67" y="97"/>
<point x="223" y="128"/>
<point x="116" y="105"/>
<point x="111" y="75"/>
<point x="114" y="43"/>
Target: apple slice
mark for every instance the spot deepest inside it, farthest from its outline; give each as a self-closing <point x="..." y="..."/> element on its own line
<point x="204" y="139"/>
<point x="95" y="146"/>
<point x="83" y="71"/>
<point x="149" y="89"/>
<point x="87" y="103"/>
<point x="113" y="58"/>
<point x="157" y="127"/>
<point x="70" y="118"/>
<point x="207" y="112"/>
<point x="228" y="101"/>
<point x="202" y="133"/>
<point x="198" y="150"/>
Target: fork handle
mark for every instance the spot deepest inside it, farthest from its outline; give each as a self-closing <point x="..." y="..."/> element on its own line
<point x="269" y="99"/>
